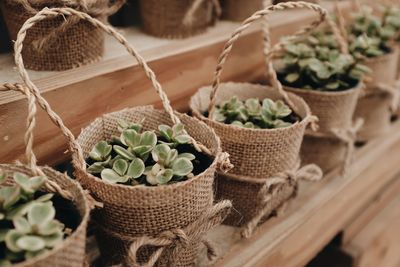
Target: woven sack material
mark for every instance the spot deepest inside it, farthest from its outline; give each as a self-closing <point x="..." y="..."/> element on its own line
<point x="78" y="45"/>
<point x="326" y="152"/>
<point x="239" y="10"/>
<point x="245" y="198"/>
<point x="335" y="111"/>
<point x="254" y="152"/>
<point x="374" y="106"/>
<point x="165" y="18"/>
<point x="71" y="252"/>
<point x="135" y="211"/>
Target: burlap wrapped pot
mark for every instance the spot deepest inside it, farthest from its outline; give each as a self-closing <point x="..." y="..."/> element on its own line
<point x="238" y="10"/>
<point x="380" y="97"/>
<point x="161" y="225"/>
<point x="266" y="161"/>
<point x="57" y="44"/>
<point x="178" y="18"/>
<point x="71" y="252"/>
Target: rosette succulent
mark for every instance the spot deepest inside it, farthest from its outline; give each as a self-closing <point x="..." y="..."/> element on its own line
<point x="137" y="157"/>
<point x="252" y="113"/>
<point x="315" y="62"/>
<point x="369" y="35"/>
<point x="27" y="220"/>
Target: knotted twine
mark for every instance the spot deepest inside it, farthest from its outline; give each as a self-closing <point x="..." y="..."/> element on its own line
<point x="175" y="239"/>
<point x="95" y="8"/>
<point x="189" y="18"/>
<point x="270" y="190"/>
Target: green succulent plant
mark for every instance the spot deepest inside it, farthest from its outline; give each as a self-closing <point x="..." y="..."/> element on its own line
<point x="142" y="158"/>
<point x="369" y="36"/>
<point x="28" y="224"/>
<point x="315" y="62"/>
<point x="253" y="114"/>
<point x="391" y="20"/>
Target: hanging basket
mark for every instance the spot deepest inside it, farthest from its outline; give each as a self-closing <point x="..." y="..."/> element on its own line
<point x="380" y="97"/>
<point x="266" y="161"/>
<point x="239" y="10"/>
<point x="178" y="18"/>
<point x="71" y="252"/>
<point x="161" y="225"/>
<point x="57" y="44"/>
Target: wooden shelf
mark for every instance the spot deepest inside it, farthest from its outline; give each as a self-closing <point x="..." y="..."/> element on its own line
<point x="320" y="212"/>
<point x="80" y="95"/>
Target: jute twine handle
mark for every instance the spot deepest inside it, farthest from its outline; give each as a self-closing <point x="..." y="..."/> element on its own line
<point x="54" y="12"/>
<point x="189" y="17"/>
<point x="272" y="74"/>
<point x="28" y="139"/>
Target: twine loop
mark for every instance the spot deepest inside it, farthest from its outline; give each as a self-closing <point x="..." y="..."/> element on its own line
<point x="175" y="240"/>
<point x="271" y="187"/>
<point x="224" y="164"/>
<point x="30" y="126"/>
<point x="348" y="136"/>
<point x="394" y="93"/>
<point x="189" y="17"/>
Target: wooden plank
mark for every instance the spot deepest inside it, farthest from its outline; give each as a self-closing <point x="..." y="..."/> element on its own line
<point x="371" y="210"/>
<point x="378" y="244"/>
<point x="319" y="213"/>
<point x="82" y="94"/>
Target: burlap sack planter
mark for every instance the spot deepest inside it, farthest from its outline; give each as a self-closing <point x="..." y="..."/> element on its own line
<point x="71" y="252"/>
<point x="254" y="152"/>
<point x="238" y="10"/>
<point x="78" y="44"/>
<point x="245" y="197"/>
<point x="177" y="18"/>
<point x="169" y="220"/>
<point x="335" y="112"/>
<point x="376" y="103"/>
<point x="135" y="211"/>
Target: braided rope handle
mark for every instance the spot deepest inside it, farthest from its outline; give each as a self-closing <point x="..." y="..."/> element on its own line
<point x="29" y="137"/>
<point x="54" y="12"/>
<point x="236" y="34"/>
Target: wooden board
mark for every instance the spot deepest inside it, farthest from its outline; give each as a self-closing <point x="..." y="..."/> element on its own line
<point x="116" y="82"/>
<point x="378" y="244"/>
<point x="371" y="210"/>
<point x="318" y="214"/>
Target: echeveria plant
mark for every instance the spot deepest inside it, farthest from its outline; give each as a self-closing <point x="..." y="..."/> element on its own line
<point x="27" y="221"/>
<point x="315" y="62"/>
<point x="137" y="157"/>
<point x="253" y="113"/>
<point x="369" y="36"/>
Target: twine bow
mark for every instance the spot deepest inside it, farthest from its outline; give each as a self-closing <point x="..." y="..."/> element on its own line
<point x="189" y="17"/>
<point x="348" y="136"/>
<point x="224" y="163"/>
<point x="271" y="188"/>
<point x="393" y="92"/>
<point x="176" y="239"/>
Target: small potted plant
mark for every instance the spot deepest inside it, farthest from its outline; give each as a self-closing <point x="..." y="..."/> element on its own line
<point x="178" y="19"/>
<point x="153" y="171"/>
<point x="370" y="42"/>
<point x="262" y="128"/>
<point x="56" y="44"/>
<point x="319" y="68"/>
<point x="43" y="213"/>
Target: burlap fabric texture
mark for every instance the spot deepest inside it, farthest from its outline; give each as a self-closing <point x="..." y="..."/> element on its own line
<point x="238" y="10"/>
<point x="57" y="44"/>
<point x="136" y="211"/>
<point x="380" y="96"/>
<point x="178" y="18"/>
<point x="136" y="221"/>
<point x="258" y="155"/>
<point x="71" y="252"/>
